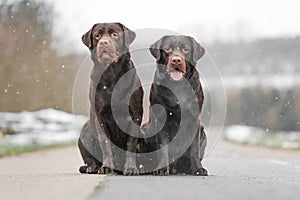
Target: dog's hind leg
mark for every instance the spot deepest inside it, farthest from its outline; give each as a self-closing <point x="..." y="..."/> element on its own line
<point x="88" y="145"/>
<point x="92" y="165"/>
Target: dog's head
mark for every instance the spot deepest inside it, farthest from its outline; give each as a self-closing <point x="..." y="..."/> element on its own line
<point x="177" y="53"/>
<point x="108" y="41"/>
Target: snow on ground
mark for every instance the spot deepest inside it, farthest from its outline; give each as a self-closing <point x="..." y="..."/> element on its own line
<point x="43" y="127"/>
<point x="257" y="136"/>
<point x="50" y="126"/>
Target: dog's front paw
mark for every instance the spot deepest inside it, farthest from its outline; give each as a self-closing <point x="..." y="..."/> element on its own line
<point x="105" y="170"/>
<point x="199" y="172"/>
<point x="131" y="171"/>
<point x="165" y="171"/>
<point x="130" y="168"/>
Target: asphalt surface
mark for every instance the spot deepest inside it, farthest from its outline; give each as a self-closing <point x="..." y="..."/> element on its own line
<point x="236" y="172"/>
<point x="234" y="175"/>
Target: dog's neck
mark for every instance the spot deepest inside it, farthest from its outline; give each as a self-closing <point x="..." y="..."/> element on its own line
<point x="191" y="68"/>
<point x="117" y="68"/>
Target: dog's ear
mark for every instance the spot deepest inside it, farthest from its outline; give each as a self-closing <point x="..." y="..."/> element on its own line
<point x="198" y="50"/>
<point x="87" y="38"/>
<point x="129" y="35"/>
<point x="155" y="48"/>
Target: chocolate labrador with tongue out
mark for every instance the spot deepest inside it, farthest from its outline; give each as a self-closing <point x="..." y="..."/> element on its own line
<point x="176" y="58"/>
<point x="104" y="146"/>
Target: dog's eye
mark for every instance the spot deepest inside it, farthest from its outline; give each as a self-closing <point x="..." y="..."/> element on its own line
<point x="115" y="35"/>
<point x="168" y="50"/>
<point x="98" y="36"/>
<point x="185" y="50"/>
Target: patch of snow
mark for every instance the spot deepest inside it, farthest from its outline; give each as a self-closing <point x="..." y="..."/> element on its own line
<point x="242" y="134"/>
<point x="290" y="145"/>
<point x="259" y="136"/>
<point x="43" y="127"/>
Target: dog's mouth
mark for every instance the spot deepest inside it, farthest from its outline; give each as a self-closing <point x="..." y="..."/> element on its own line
<point x="176" y="67"/>
<point x="175" y="74"/>
<point x="107" y="55"/>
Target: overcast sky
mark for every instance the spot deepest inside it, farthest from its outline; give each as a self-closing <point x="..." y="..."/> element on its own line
<point x="208" y="20"/>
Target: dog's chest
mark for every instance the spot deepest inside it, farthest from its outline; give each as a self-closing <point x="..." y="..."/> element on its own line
<point x="111" y="85"/>
<point x="173" y="96"/>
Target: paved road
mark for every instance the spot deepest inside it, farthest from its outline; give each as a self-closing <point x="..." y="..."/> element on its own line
<point x="236" y="172"/>
<point x="50" y="174"/>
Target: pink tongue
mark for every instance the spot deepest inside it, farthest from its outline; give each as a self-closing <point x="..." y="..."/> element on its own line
<point x="176" y="75"/>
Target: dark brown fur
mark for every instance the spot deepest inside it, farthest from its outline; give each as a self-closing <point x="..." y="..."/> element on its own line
<point x="109" y="46"/>
<point x="176" y="53"/>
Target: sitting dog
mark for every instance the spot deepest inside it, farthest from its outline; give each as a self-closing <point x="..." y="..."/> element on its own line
<point x="176" y="58"/>
<point x="101" y="136"/>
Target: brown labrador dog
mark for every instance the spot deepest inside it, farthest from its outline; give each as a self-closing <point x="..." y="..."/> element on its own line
<point x="176" y="58"/>
<point x="101" y="136"/>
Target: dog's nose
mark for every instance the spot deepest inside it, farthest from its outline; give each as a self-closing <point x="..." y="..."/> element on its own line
<point x="177" y="60"/>
<point x="104" y="42"/>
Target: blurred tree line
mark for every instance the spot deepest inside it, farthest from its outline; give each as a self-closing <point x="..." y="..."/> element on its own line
<point x="268" y="108"/>
<point x="32" y="74"/>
